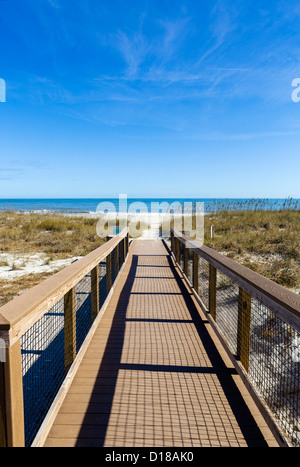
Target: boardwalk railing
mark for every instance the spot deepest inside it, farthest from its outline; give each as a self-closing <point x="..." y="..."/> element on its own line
<point x="258" y="323"/>
<point x="43" y="331"/>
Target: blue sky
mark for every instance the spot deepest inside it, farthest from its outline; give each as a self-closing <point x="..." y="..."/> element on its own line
<point x="149" y="98"/>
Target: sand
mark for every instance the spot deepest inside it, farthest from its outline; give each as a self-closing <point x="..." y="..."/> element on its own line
<point x="20" y="265"/>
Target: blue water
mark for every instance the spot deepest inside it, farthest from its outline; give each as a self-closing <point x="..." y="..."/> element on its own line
<point x="86" y="205"/>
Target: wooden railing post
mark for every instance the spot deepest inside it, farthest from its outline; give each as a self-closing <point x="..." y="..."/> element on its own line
<point x="2" y="408"/>
<point x="212" y="291"/>
<point x="95" y="292"/>
<point x="243" y="331"/>
<point x="108" y="273"/>
<point x="19" y="317"/>
<point x="12" y="428"/>
<point x="195" y="272"/>
<point x="70" y="328"/>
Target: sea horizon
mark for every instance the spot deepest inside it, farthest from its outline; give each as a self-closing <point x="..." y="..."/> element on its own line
<point x="95" y="205"/>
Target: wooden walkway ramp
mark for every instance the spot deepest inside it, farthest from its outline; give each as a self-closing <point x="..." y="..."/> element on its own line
<point x="154" y="374"/>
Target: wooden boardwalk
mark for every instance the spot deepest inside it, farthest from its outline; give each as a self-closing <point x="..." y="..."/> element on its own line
<point x="154" y="374"/>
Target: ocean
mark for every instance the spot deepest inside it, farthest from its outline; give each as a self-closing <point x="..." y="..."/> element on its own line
<point x="94" y="206"/>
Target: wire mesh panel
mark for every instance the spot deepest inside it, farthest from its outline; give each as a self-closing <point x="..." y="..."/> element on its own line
<point x="190" y="265"/>
<point x="49" y="347"/>
<point x="203" y="278"/>
<point x="102" y="282"/>
<point x="274" y="366"/>
<point x="168" y="242"/>
<point x="227" y="309"/>
<point x="181" y="257"/>
<point x="267" y="347"/>
<point x="121" y="254"/>
<point x="83" y="309"/>
<point x="113" y="265"/>
<point x="43" y="367"/>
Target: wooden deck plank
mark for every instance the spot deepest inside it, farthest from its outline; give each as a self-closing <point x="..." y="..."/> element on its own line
<point x="152" y="375"/>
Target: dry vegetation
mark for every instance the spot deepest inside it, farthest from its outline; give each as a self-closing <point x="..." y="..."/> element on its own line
<point x="57" y="236"/>
<point x="53" y="234"/>
<point x="267" y="242"/>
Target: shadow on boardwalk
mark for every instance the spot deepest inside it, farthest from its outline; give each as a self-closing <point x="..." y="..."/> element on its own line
<point x="96" y="420"/>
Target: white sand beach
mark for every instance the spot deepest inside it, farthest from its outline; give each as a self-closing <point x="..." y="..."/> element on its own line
<point x="14" y="266"/>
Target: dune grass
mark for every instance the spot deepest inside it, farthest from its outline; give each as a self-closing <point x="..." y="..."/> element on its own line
<point x="53" y="234"/>
<point x="267" y="242"/>
<point x="56" y="236"/>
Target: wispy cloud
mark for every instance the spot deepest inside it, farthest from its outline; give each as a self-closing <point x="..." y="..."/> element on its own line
<point x="17" y="169"/>
<point x="39" y="90"/>
<point x="134" y="50"/>
<point x="8" y="173"/>
<point x="217" y="136"/>
<point x="147" y="58"/>
<point x="176" y="60"/>
<point x="54" y="3"/>
<point x="222" y="23"/>
<point x="174" y="34"/>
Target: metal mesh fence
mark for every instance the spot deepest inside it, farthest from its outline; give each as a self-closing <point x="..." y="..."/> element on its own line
<point x="203" y="281"/>
<point x="190" y="265"/>
<point x="113" y="264"/>
<point x="168" y="242"/>
<point x="274" y="366"/>
<point x="121" y="253"/>
<point x="181" y="256"/>
<point x="227" y="309"/>
<point x="102" y="283"/>
<point x="83" y="309"/>
<point x="268" y="347"/>
<point x="50" y="346"/>
<point x="43" y="367"/>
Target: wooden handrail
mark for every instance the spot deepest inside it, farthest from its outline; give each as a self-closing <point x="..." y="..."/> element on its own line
<point x="18" y="315"/>
<point x="285" y="302"/>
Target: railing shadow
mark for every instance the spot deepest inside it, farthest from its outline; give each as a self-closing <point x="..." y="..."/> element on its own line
<point x="44" y="361"/>
<point x="243" y="416"/>
<point x="108" y="372"/>
<point x="96" y="420"/>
